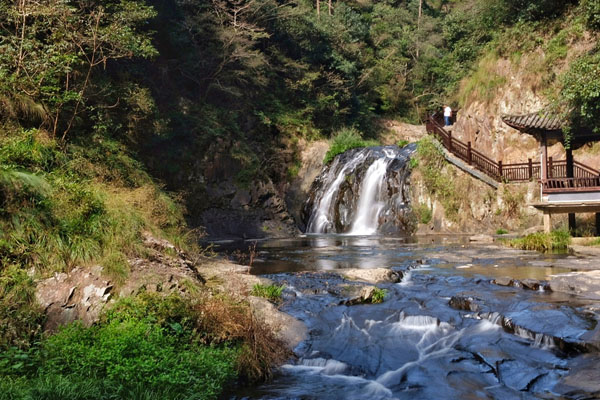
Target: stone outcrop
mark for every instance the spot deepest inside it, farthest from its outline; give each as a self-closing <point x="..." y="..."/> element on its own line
<point x="364" y="296"/>
<point x="311" y="162"/>
<point x="372" y="275"/>
<point x="82" y="293"/>
<point x="78" y="295"/>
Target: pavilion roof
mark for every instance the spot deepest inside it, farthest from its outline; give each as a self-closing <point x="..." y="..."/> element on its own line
<point x="534" y="122"/>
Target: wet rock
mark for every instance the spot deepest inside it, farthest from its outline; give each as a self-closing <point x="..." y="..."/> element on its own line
<point x="288" y="329"/>
<point x="365" y="296"/>
<point x="531" y="284"/>
<point x="463" y="303"/>
<point x="585" y="283"/>
<point x="583" y="381"/>
<point x="481" y="239"/>
<point x="503" y="281"/>
<point x="332" y="205"/>
<point x="517" y="375"/>
<point x="375" y="275"/>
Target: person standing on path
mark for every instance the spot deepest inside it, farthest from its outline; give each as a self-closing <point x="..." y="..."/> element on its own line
<point x="447" y="115"/>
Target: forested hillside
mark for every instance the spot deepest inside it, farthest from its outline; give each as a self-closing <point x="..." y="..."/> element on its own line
<point x="121" y="117"/>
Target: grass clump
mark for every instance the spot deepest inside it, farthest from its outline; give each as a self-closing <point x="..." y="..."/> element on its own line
<point x="346" y="139"/>
<point x="270" y="292"/>
<point x="557" y="240"/>
<point x="402" y="143"/>
<point x="423" y="213"/>
<point x="501" y="231"/>
<point x="378" y="295"/>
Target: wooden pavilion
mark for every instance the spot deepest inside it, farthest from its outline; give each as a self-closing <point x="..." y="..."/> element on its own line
<point x="566" y="187"/>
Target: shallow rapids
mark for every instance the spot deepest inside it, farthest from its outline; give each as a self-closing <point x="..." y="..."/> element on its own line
<point x="445" y="331"/>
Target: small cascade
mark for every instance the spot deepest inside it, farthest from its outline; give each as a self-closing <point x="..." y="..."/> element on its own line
<point x="362" y="192"/>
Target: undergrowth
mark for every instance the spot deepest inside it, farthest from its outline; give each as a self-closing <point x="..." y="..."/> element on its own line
<point x="61" y="207"/>
<point x="423" y="213"/>
<point x="346" y="139"/>
<point x="440" y="183"/>
<point x="557" y="240"/>
<point x="146" y="347"/>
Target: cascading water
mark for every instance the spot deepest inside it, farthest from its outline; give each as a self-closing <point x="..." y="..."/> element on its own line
<point x="362" y="192"/>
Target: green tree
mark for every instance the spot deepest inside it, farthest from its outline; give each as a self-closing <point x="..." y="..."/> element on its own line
<point x="50" y="49"/>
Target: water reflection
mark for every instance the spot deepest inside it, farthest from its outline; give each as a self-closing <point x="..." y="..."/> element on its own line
<point x="449" y="254"/>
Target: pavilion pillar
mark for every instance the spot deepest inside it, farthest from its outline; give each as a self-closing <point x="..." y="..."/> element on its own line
<point x="572" y="223"/>
<point x="543" y="165"/>
<point x="570" y="167"/>
<point x="570" y="174"/>
<point x="547" y="222"/>
<point x="543" y="158"/>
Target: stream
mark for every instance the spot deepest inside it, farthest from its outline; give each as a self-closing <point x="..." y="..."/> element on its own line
<point x="451" y="327"/>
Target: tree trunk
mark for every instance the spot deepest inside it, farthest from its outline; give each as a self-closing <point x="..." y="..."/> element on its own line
<point x="318" y="7"/>
<point x="330" y="7"/>
<point x="419" y="24"/>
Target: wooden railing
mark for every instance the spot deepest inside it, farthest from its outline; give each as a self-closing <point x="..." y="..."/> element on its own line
<point x="517" y="172"/>
<point x="557" y="185"/>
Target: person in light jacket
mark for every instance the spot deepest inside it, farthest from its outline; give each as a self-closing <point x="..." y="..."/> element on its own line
<point x="447" y="115"/>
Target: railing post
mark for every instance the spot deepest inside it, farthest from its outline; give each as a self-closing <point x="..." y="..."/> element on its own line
<point x="549" y="167"/>
<point x="469" y="156"/>
<point x="450" y="142"/>
<point x="500" y="170"/>
<point x="530" y="166"/>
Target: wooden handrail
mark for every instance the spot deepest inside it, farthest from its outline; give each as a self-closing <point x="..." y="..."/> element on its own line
<point x="558" y="185"/>
<point x="515" y="172"/>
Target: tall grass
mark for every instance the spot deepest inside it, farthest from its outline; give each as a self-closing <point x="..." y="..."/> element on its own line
<point x="344" y="140"/>
<point x="62" y="206"/>
<point x="76" y="206"/>
<point x="557" y="240"/>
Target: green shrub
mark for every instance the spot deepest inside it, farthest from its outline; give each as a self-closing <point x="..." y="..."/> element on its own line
<point x="124" y="357"/>
<point x="591" y="12"/>
<point x="402" y="142"/>
<point x="555" y="241"/>
<point x="581" y="93"/>
<point x="346" y="139"/>
<point x="423" y="213"/>
<point x="501" y="231"/>
<point x="378" y="295"/>
<point x="143" y="347"/>
<point x="21" y="318"/>
<point x="271" y="292"/>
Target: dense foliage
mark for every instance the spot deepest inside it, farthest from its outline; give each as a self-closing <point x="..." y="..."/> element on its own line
<point x="145" y="347"/>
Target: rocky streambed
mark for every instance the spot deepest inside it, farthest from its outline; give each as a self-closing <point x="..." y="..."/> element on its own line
<point x="459" y="321"/>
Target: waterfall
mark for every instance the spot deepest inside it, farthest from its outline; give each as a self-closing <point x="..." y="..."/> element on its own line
<point x="362" y="192"/>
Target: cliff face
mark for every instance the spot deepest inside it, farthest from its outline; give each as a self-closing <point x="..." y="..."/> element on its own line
<point x="518" y="84"/>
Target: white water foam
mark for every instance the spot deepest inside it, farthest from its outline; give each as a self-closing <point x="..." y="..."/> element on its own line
<point x="370" y="203"/>
<point x="319" y="220"/>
